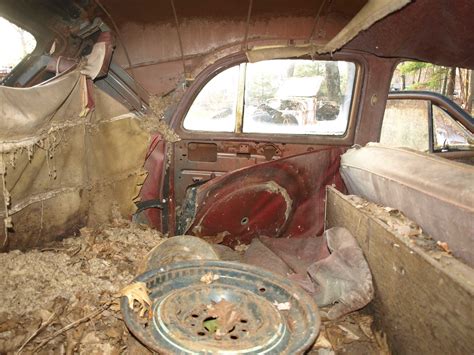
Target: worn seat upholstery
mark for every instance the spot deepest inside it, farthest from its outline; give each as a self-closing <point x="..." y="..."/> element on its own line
<point x="436" y="193"/>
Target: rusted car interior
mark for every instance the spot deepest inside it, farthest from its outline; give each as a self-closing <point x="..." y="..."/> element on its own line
<point x="220" y="172"/>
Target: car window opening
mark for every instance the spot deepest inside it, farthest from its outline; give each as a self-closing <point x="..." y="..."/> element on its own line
<point x="280" y="96"/>
<point x="15" y="45"/>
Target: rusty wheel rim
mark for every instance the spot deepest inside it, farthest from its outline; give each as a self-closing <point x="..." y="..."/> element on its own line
<point x="180" y="302"/>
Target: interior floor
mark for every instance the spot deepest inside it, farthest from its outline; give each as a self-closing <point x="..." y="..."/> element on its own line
<point x="63" y="298"/>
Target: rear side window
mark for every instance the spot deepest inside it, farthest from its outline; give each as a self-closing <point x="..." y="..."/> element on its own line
<point x="276" y="96"/>
<point x="15" y="45"/>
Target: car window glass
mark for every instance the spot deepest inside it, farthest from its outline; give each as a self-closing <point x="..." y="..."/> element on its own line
<point x="214" y="109"/>
<point x="405" y="124"/>
<point x="276" y="96"/>
<point x="449" y="134"/>
<point x="16" y="43"/>
<point x="298" y="97"/>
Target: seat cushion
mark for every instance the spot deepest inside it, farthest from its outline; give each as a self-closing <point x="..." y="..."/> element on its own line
<point x="436" y="193"/>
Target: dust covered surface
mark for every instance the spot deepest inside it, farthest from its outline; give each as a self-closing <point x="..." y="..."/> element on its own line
<point x="71" y="288"/>
<point x="403" y="227"/>
<point x="154" y="121"/>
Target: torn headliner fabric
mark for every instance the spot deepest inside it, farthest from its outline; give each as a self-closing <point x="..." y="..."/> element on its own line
<point x="373" y="11"/>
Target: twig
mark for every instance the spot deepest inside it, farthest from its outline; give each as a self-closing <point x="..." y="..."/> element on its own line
<point x="73" y="324"/>
<point x="42" y="326"/>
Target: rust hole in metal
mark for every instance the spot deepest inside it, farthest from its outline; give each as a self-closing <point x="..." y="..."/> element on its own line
<point x="244" y="221"/>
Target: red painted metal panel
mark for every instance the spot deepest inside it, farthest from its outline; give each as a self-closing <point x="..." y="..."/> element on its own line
<point x="280" y="198"/>
<point x="152" y="188"/>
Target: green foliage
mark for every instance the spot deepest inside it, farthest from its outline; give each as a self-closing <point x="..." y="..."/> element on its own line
<point x="412" y="67"/>
<point x="425" y="76"/>
<point x="262" y="87"/>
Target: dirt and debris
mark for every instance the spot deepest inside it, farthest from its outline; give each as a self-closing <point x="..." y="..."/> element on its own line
<point x="404" y="227"/>
<point x="154" y="121"/>
<point x="226" y="315"/>
<point x="64" y="298"/>
<point x="209" y="278"/>
<point x="392" y="217"/>
<point x="352" y="334"/>
<point x="241" y="248"/>
<point x="443" y="246"/>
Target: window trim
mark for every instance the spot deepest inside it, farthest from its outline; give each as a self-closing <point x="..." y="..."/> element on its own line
<point x="441" y="101"/>
<point x="219" y="66"/>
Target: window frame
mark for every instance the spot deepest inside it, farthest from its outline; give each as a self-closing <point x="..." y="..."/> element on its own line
<point x="10" y="78"/>
<point x="210" y="72"/>
<point x="445" y="104"/>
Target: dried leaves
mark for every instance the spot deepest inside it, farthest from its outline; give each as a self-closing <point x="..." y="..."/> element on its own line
<point x="137" y="294"/>
<point x="351" y="334"/>
<point x="226" y="314"/>
<point x="402" y="226"/>
<point x="241" y="248"/>
<point x="443" y="246"/>
<point x="392" y="217"/>
<point x="85" y="270"/>
<point x="209" y="277"/>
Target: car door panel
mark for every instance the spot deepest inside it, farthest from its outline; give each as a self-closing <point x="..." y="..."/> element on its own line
<point x="278" y="198"/>
<point x="196" y="160"/>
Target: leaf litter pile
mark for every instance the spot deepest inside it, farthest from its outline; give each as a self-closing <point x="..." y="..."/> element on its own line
<point x="64" y="298"/>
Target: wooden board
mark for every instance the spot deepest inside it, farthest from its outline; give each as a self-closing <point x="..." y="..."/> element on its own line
<point x="424" y="300"/>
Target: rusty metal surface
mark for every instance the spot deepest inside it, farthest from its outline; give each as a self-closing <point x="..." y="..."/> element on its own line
<point x="207" y="31"/>
<point x="279" y="198"/>
<point x="209" y="25"/>
<point x="193" y="165"/>
<point x="148" y="11"/>
<point x="181" y="305"/>
<point x="212" y="30"/>
<point x="243" y="211"/>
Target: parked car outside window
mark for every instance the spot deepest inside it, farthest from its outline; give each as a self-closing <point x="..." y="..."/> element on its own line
<point x="276" y="96"/>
